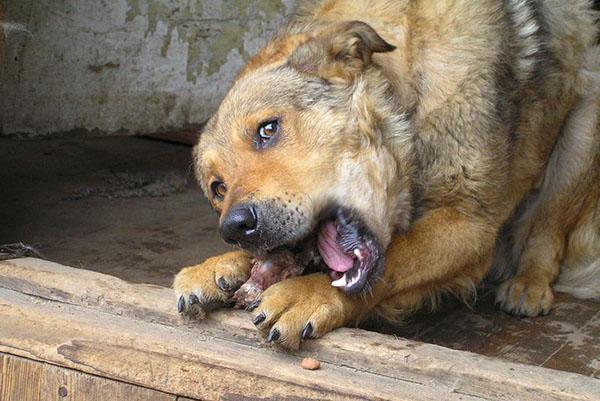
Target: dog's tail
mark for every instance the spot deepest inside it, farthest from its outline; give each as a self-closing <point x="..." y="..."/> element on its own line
<point x="581" y="283"/>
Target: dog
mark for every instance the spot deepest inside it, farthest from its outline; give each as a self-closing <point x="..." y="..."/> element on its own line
<point x="419" y="147"/>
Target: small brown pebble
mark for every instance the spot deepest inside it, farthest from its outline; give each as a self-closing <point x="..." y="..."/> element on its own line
<point x="310" y="364"/>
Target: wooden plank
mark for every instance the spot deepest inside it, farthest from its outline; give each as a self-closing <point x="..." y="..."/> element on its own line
<point x="84" y="287"/>
<point x="19" y="381"/>
<point x="581" y="348"/>
<point x="179" y="361"/>
<point x="27" y="380"/>
<point x="367" y="353"/>
<point x="568" y="339"/>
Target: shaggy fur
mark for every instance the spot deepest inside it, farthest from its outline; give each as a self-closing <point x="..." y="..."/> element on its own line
<point x="465" y="133"/>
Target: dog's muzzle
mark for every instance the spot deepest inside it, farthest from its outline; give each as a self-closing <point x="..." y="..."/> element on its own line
<point x="262" y="226"/>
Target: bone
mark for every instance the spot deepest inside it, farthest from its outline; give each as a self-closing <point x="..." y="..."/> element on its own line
<point x="266" y="272"/>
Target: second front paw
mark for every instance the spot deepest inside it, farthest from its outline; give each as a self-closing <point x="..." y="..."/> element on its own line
<point x="301" y="308"/>
<point x="211" y="284"/>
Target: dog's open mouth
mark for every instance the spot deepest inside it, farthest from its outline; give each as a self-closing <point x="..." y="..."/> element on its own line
<point x="351" y="253"/>
<point x="341" y="245"/>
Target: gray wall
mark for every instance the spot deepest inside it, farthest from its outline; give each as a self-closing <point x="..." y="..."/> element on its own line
<point x="135" y="66"/>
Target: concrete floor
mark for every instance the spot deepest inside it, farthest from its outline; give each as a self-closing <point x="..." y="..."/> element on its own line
<point x="129" y="207"/>
<point x="121" y="206"/>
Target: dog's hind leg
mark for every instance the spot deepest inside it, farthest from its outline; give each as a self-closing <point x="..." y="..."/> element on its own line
<point x="568" y="194"/>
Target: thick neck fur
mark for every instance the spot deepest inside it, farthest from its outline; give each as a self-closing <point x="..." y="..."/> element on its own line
<point x="387" y="148"/>
<point x="381" y="101"/>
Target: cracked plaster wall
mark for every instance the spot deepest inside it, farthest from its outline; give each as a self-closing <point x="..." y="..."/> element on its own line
<point x="135" y="66"/>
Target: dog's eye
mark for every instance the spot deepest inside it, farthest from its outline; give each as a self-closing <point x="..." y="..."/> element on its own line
<point x="266" y="131"/>
<point x="218" y="189"/>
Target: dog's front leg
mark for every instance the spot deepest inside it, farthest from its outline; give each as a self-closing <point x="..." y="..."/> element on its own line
<point x="446" y="250"/>
<point x="212" y="283"/>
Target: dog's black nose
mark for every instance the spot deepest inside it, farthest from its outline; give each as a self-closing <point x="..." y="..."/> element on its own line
<point x="239" y="226"/>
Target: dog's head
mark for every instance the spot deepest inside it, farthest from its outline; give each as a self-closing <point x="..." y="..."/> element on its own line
<point x="310" y="144"/>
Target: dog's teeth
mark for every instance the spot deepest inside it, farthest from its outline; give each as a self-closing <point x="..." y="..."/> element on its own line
<point x="340" y="282"/>
<point x="350" y="281"/>
<point x="357" y="253"/>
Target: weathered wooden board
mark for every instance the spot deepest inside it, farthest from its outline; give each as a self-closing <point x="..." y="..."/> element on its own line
<point x="225" y="352"/>
<point x="179" y="361"/>
<point x="19" y="381"/>
<point x="26" y="380"/>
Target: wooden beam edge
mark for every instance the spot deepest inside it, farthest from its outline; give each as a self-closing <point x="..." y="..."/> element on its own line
<point x="361" y="350"/>
<point x="181" y="362"/>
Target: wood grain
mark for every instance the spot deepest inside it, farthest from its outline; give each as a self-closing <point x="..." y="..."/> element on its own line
<point x="27" y="380"/>
<point x="380" y="365"/>
<point x="19" y="381"/>
<point x="180" y="362"/>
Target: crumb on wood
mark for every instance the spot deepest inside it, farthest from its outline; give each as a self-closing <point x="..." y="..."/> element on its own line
<point x="310" y="364"/>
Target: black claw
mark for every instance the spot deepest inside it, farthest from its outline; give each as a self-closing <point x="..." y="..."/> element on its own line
<point x="193" y="299"/>
<point x="273" y="335"/>
<point x="181" y="304"/>
<point x="307" y="331"/>
<point x="222" y="283"/>
<point x="258" y="319"/>
<point x="253" y="305"/>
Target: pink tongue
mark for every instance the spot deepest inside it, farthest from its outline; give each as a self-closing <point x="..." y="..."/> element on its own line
<point x="333" y="255"/>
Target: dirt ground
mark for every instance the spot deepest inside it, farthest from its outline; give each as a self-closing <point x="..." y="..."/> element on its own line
<point x="120" y="205"/>
<point x="129" y="207"/>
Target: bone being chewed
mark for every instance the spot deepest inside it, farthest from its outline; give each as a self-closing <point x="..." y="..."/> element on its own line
<point x="267" y="271"/>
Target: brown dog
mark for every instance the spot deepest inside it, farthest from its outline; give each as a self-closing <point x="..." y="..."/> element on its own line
<point x="419" y="146"/>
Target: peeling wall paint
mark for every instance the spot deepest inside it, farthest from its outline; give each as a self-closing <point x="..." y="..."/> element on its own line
<point x="135" y="66"/>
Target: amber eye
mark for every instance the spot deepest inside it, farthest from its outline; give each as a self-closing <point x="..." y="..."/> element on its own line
<point x="266" y="131"/>
<point x="218" y="189"/>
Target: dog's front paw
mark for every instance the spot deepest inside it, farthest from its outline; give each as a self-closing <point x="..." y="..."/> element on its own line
<point x="211" y="284"/>
<point x="523" y="296"/>
<point x="301" y="308"/>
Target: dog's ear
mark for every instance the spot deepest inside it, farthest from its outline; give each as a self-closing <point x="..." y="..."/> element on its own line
<point x="343" y="51"/>
<point x="358" y="40"/>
